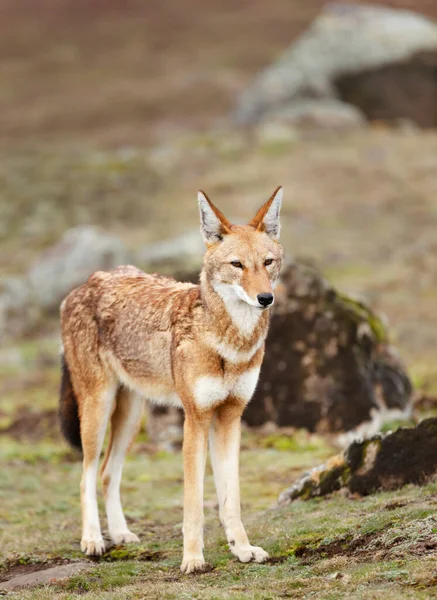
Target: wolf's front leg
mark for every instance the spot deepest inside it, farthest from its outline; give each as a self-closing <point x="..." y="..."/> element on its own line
<point x="196" y="428"/>
<point x="225" y="450"/>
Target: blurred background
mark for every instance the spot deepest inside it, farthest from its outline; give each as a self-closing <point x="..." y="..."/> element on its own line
<point x="114" y="112"/>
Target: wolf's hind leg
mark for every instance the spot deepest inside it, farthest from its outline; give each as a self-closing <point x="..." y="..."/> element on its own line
<point x="96" y="408"/>
<point x="125" y="422"/>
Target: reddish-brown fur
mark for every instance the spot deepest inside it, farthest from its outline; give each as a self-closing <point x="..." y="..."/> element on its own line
<point x="128" y="335"/>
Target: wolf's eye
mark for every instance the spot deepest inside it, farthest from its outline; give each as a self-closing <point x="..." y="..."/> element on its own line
<point x="236" y="263"/>
<point x="268" y="261"/>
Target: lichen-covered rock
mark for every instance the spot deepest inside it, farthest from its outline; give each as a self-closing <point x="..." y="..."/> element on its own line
<point x="321" y="480"/>
<point x="345" y="41"/>
<point x="383" y="462"/>
<point x="328" y="365"/>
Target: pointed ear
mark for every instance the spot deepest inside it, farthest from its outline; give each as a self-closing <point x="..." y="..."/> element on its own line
<point x="267" y="218"/>
<point x="213" y="224"/>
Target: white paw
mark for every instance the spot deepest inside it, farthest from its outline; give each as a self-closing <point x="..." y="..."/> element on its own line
<point x="124" y="537"/>
<point x="193" y="564"/>
<point x="93" y="546"/>
<point x="249" y="553"/>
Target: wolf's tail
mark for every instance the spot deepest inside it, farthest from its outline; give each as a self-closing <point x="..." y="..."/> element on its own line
<point x="69" y="409"/>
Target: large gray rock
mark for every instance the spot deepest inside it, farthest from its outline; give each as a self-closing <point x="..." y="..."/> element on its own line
<point x="345" y="39"/>
<point x="70" y="262"/>
<point x="67" y="264"/>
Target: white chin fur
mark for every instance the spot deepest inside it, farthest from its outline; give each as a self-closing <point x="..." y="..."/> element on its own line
<point x="239" y="291"/>
<point x="231" y="292"/>
<point x="243" y="296"/>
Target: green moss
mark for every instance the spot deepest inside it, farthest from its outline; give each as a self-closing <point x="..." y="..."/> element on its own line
<point x="394" y="425"/>
<point x="103" y="577"/>
<point x="377" y="523"/>
<point x="361" y="313"/>
<point x="345" y="475"/>
<point x="78" y="583"/>
<point x="299" y="441"/>
<point x="131" y="552"/>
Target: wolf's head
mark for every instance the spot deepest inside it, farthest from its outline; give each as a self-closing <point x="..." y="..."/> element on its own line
<point x="242" y="262"/>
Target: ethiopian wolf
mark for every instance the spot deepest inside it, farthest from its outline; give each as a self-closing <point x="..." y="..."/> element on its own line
<point x="128" y="335"/>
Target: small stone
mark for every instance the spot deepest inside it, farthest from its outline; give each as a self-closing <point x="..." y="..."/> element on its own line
<point x="336" y="575"/>
<point x="44" y="577"/>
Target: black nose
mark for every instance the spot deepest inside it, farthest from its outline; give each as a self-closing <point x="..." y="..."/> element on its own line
<point x="265" y="299"/>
